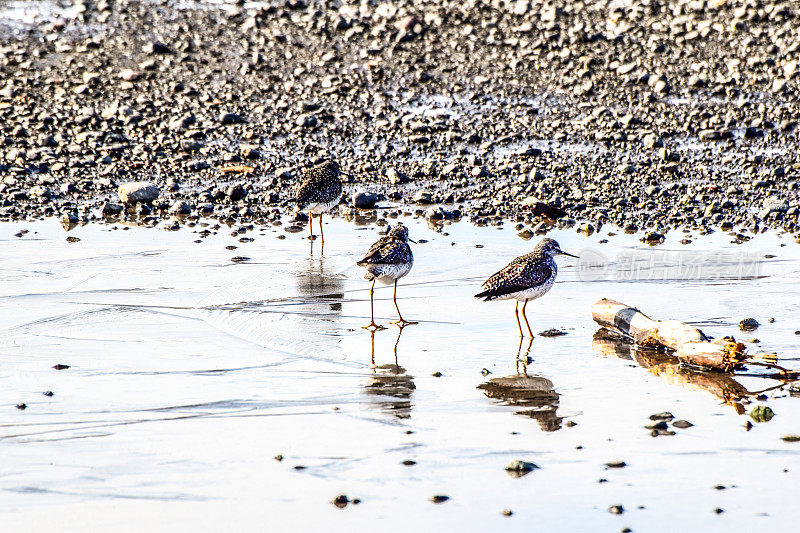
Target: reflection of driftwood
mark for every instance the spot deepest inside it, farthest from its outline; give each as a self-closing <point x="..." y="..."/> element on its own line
<point x="669" y="368"/>
<point x="690" y="345"/>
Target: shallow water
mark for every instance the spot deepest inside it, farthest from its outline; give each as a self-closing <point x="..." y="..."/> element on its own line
<point x="190" y="372"/>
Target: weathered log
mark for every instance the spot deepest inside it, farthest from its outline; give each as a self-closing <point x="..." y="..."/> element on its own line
<point x="691" y="346"/>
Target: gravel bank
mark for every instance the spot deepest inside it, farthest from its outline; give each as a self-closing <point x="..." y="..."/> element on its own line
<point x="650" y="114"/>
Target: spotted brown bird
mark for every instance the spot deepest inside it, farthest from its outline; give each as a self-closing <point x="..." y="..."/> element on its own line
<point x="388" y="260"/>
<point x="319" y="191"/>
<point x="525" y="278"/>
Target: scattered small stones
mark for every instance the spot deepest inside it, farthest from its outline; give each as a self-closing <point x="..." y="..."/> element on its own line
<point x="22" y="406"/>
<point x="507" y="512"/>
<point x="666" y="415"/>
<point x="616" y="509"/>
<point x="240" y="259"/>
<point x="439" y="498"/>
<point x="616" y="464"/>
<point x="791" y="438"/>
<point x="60" y="367"/>
<point x="682" y="424"/>
<point x="409" y="462"/>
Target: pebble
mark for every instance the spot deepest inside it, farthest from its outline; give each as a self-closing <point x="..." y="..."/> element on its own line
<point x="365" y="200"/>
<point x="138" y="192"/>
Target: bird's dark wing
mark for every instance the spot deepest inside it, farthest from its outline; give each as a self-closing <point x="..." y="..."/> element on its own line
<point x="387" y="251"/>
<point x="305" y="193"/>
<point x="518" y="275"/>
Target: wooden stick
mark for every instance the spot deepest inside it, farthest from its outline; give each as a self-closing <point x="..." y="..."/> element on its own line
<point x="691" y="346"/>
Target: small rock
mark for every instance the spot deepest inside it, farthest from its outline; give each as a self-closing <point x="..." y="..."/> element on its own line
<point x="422" y="197"/>
<point x="666" y="415"/>
<point x="762" y="413"/>
<point x="155" y="47"/>
<point x="138" y="192"/>
<point x="365" y="200"/>
<point x="110" y="209"/>
<point x="307" y="121"/>
<point x="616" y="509"/>
<point x="749" y="324"/>
<point x="790" y="438"/>
<point x="519" y="468"/>
<point x="22" y="406"/>
<point x="180" y="208"/>
<point x="231" y="118"/>
<point x="616" y="464"/>
<point x="682" y="424"/>
<point x="553" y="333"/>
<point x="439" y="498"/>
<point x="341" y="501"/>
<point x="396" y="177"/>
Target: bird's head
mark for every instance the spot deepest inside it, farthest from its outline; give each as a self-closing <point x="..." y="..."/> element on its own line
<point x="332" y="166"/>
<point x="399" y="232"/>
<point x="550" y="247"/>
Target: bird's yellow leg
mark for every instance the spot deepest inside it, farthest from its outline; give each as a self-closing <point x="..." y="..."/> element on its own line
<point x="321" y="235"/>
<point x="519" y="325"/>
<point x="372" y="326"/>
<point x="526" y="318"/>
<point x="311" y="226"/>
<point x="402" y="322"/>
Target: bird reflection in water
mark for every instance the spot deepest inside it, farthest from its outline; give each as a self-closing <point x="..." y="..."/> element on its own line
<point x="323" y="289"/>
<point x="535" y="394"/>
<point x="390" y="386"/>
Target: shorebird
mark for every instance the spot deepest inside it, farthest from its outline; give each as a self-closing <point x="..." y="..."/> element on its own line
<point x="525" y="278"/>
<point x="388" y="260"/>
<point x="319" y="190"/>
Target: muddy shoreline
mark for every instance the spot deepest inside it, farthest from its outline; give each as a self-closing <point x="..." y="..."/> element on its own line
<point x="655" y="115"/>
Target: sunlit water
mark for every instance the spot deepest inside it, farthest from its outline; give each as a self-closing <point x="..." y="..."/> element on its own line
<point x="189" y="373"/>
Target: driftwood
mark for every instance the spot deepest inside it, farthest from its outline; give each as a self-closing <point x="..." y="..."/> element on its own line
<point x="689" y="344"/>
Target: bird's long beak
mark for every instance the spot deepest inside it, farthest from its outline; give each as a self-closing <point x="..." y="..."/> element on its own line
<point x="562" y="252"/>
<point x="412" y="240"/>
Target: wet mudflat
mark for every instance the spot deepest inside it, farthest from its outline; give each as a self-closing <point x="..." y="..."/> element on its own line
<point x="189" y="373"/>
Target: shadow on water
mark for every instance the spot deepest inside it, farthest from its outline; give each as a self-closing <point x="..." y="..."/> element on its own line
<point x="390" y="388"/>
<point x="667" y="367"/>
<point x="536" y="394"/>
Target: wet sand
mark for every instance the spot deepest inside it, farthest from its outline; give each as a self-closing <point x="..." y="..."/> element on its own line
<point x="189" y="373"/>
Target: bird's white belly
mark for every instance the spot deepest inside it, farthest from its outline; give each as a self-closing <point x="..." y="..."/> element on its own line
<point x="528" y="294"/>
<point x="389" y="273"/>
<point x="321" y="207"/>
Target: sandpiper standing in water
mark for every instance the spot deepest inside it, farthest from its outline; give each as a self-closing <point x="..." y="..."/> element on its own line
<point x="319" y="191"/>
<point x="388" y="260"/>
<point x="525" y="278"/>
